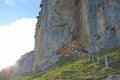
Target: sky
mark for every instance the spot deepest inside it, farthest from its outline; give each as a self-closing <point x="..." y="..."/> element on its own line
<point x="17" y="29"/>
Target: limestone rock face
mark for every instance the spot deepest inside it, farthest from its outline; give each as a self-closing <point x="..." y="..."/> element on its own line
<point x="57" y="24"/>
<point x="24" y="64"/>
<point x="70" y="25"/>
<point x="113" y="78"/>
<point x="104" y="23"/>
<point x="94" y="23"/>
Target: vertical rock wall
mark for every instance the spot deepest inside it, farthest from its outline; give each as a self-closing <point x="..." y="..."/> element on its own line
<point x="94" y="23"/>
<point x="104" y="24"/>
<point x="24" y="64"/>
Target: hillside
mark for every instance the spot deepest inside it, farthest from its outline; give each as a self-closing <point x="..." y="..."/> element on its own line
<point x="74" y="39"/>
<point x="81" y="69"/>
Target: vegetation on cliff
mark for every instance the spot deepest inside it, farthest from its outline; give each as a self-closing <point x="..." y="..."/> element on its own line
<point x="80" y="69"/>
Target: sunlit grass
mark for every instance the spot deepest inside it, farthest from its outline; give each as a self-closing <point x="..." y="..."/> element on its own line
<point x="80" y="69"/>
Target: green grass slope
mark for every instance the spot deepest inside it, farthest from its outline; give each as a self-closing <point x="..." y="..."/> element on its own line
<point x="81" y="69"/>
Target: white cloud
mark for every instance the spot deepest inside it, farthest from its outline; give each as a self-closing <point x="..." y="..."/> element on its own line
<point x="8" y="2"/>
<point x="16" y="39"/>
<point x="11" y="2"/>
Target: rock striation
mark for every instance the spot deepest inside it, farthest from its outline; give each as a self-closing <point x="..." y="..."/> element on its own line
<point x="24" y="64"/>
<point x="94" y="23"/>
<point x="113" y="78"/>
<point x="71" y="26"/>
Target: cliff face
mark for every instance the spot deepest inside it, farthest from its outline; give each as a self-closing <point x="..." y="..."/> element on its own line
<point x="70" y="26"/>
<point x="104" y="23"/>
<point x="24" y="64"/>
<point x="95" y="24"/>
